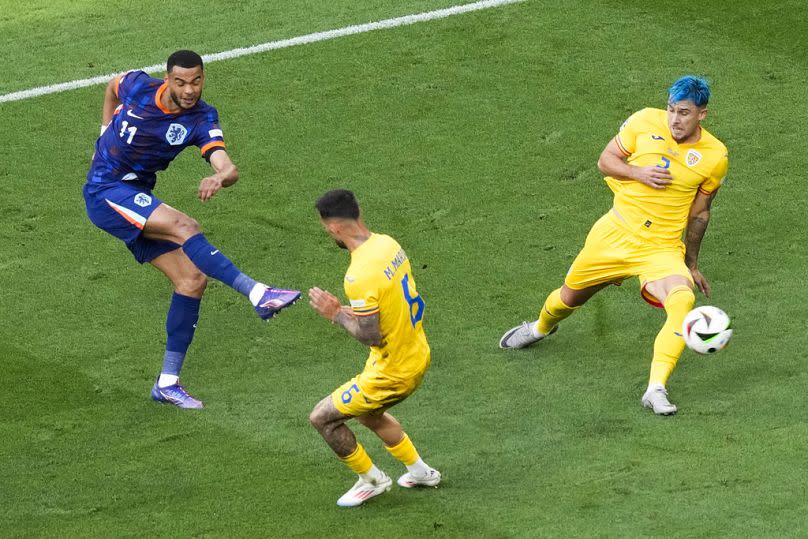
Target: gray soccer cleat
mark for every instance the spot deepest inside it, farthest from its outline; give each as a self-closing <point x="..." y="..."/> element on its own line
<point x="522" y="336"/>
<point x="656" y="398"/>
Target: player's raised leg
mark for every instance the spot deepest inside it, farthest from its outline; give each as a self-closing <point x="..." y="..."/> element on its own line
<point x="677" y="297"/>
<point x="330" y="423"/>
<point x="560" y="304"/>
<point x="183" y="314"/>
<point x="398" y="444"/>
<point x="167" y="223"/>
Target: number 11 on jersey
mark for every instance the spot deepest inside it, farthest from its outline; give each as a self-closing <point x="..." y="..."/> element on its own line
<point x="126" y="128"/>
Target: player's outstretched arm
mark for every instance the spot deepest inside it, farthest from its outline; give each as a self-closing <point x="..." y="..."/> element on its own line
<point x="225" y="176"/>
<point x="111" y="102"/>
<point x="697" y="223"/>
<point x="612" y="162"/>
<point x="364" y="329"/>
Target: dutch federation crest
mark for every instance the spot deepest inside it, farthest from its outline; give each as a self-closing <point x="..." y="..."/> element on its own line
<point x="692" y="158"/>
<point x="143" y="200"/>
<point x="176" y="134"/>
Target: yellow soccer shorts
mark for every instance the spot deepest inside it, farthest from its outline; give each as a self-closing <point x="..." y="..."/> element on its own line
<point x="611" y="254"/>
<point x="371" y="392"/>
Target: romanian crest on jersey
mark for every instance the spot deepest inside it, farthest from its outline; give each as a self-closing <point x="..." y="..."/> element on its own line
<point x="692" y="158"/>
<point x="176" y="134"/>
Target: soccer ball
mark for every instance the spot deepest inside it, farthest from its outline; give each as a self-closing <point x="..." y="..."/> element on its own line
<point x="706" y="329"/>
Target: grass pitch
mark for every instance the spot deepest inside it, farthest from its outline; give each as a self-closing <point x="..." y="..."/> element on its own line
<point x="473" y="141"/>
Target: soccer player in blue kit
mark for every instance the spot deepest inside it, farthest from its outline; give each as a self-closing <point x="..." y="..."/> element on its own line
<point x="146" y="123"/>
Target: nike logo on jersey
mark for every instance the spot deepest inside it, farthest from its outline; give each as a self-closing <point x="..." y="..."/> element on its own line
<point x="657" y="137"/>
<point x="133" y="115"/>
<point x="214" y="252"/>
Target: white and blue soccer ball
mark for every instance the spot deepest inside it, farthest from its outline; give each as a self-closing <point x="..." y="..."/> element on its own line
<point x="706" y="329"/>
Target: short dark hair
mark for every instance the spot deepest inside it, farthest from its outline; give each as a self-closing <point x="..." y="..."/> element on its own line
<point x="338" y="204"/>
<point x="183" y="58"/>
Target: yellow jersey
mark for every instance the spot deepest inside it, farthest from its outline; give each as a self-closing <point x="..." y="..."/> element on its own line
<point x="659" y="216"/>
<point x="379" y="280"/>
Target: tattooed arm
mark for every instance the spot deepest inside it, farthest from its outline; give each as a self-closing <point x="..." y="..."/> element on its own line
<point x="697" y="223"/>
<point x="364" y="329"/>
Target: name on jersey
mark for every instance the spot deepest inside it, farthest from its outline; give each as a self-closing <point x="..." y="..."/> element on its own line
<point x="396" y="263"/>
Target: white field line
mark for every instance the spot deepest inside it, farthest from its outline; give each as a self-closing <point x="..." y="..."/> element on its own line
<point x="272" y="45"/>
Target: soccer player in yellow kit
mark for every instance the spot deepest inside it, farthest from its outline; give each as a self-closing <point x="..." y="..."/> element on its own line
<point x="664" y="170"/>
<point x="385" y="313"/>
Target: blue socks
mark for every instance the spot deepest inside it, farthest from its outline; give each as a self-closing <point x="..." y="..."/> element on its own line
<point x="183" y="315"/>
<point x="214" y="264"/>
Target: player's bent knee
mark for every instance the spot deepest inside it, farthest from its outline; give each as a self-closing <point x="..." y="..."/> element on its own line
<point x="325" y="417"/>
<point x="193" y="285"/>
<point x="318" y="419"/>
<point x="322" y="422"/>
<point x="187" y="227"/>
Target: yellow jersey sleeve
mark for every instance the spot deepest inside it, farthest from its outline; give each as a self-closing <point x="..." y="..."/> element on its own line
<point x="363" y="296"/>
<point x="627" y="135"/>
<point x="717" y="176"/>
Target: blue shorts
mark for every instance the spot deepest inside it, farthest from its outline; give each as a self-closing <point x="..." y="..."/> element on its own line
<point x="122" y="210"/>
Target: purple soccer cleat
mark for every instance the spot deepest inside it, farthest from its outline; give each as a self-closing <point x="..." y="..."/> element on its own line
<point x="274" y="300"/>
<point x="175" y="395"/>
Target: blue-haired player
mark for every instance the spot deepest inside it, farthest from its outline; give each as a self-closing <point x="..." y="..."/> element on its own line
<point x="665" y="169"/>
<point x="146" y="123"/>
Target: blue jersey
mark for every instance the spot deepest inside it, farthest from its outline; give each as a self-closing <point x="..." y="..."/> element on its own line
<point x="143" y="137"/>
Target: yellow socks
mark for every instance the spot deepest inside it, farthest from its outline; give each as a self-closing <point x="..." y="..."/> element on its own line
<point x="358" y="461"/>
<point x="669" y="343"/>
<point x="404" y="451"/>
<point x="553" y="312"/>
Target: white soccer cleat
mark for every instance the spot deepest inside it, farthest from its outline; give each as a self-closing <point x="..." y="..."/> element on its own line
<point x="522" y="336"/>
<point x="656" y="398"/>
<point x="410" y="480"/>
<point x="365" y="490"/>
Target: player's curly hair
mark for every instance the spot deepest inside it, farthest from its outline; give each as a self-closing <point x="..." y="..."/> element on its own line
<point x="690" y="88"/>
<point x="338" y="204"/>
<point x="184" y="58"/>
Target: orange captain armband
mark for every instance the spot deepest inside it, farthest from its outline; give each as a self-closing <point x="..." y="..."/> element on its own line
<point x="118" y="82"/>
<point x="208" y="149"/>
